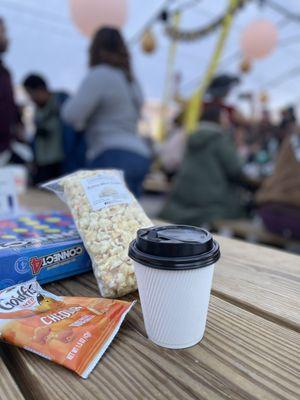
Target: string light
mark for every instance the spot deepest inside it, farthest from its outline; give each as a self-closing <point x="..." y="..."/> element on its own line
<point x="46" y="23"/>
<point x="290" y="15"/>
<point x="162" y="14"/>
<point x="37" y="13"/>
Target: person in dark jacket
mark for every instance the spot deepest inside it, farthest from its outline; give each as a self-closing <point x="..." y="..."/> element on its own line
<point x="58" y="149"/>
<point x="207" y="186"/>
<point x="8" y="111"/>
<point x="48" y="143"/>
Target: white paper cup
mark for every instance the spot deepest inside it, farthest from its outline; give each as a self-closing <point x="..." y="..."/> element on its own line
<point x="174" y="300"/>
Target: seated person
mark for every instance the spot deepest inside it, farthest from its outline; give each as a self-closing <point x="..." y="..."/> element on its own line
<point x="207" y="186"/>
<point x="279" y="196"/>
<point x="58" y="149"/>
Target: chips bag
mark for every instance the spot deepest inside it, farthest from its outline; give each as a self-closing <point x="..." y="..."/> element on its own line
<point x="107" y="217"/>
<point x="71" y="331"/>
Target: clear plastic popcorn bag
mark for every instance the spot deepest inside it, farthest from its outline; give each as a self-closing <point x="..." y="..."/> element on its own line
<point x="107" y="217"/>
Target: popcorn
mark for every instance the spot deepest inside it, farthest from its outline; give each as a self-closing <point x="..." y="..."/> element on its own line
<point x="107" y="217"/>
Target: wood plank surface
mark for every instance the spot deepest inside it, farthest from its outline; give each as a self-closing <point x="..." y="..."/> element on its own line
<point x="250" y="350"/>
<point x="39" y="200"/>
<point x="8" y="387"/>
<point x="249" y="230"/>
<point x="242" y="356"/>
<point x="261" y="279"/>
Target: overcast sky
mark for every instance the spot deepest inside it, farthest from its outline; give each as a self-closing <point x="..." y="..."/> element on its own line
<point x="44" y="39"/>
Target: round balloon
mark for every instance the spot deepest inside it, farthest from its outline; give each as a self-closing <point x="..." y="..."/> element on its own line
<point x="90" y="15"/>
<point x="259" y="39"/>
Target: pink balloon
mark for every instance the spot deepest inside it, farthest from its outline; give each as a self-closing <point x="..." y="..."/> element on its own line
<point x="259" y="39"/>
<point x="90" y="15"/>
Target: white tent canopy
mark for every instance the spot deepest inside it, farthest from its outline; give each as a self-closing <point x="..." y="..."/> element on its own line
<point x="44" y="40"/>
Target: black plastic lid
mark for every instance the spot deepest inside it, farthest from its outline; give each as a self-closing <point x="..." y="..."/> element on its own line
<point x="174" y="247"/>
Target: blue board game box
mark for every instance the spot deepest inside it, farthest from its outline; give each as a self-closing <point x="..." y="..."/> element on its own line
<point x="45" y="246"/>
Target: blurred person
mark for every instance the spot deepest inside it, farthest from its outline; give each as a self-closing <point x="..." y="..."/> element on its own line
<point x="171" y="150"/>
<point x="107" y="107"/>
<point x="266" y="134"/>
<point x="265" y="120"/>
<point x="265" y="127"/>
<point x="10" y="118"/>
<point x="279" y="197"/>
<point x="217" y="92"/>
<point x="48" y="142"/>
<point x="287" y="124"/>
<point x="57" y="148"/>
<point x="241" y="143"/>
<point x="207" y="186"/>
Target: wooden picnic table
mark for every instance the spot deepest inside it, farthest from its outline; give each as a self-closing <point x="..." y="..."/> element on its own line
<point x="251" y="347"/>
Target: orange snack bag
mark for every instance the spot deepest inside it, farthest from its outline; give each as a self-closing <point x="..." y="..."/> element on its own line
<point x="71" y="331"/>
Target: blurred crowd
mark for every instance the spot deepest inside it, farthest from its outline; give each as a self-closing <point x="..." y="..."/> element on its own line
<point x="233" y="168"/>
<point x="229" y="168"/>
<point x="95" y="128"/>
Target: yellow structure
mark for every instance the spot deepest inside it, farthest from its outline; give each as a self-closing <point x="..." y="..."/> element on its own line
<point x="194" y="109"/>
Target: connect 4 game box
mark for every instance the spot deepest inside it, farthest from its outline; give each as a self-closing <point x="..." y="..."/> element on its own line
<point x="46" y="246"/>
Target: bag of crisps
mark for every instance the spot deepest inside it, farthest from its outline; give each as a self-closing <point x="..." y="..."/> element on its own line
<point x="71" y="331"/>
<point x="107" y="217"/>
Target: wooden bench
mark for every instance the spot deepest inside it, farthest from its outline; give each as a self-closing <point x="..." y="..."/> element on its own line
<point x="156" y="183"/>
<point x="254" y="232"/>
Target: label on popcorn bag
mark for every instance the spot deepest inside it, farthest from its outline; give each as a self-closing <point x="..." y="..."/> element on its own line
<point x="71" y="331"/>
<point x="105" y="191"/>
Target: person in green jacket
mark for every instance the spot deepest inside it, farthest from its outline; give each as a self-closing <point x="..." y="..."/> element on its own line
<point x="207" y="186"/>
